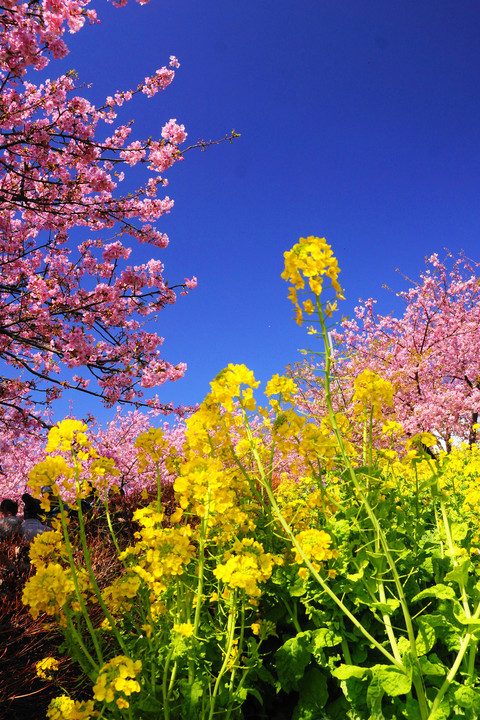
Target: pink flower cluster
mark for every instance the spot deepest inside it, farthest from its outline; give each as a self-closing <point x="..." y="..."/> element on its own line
<point x="61" y="305"/>
<point x="430" y="354"/>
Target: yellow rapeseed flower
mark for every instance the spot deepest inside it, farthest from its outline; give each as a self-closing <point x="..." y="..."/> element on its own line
<point x="372" y="392"/>
<point x="185" y="629"/>
<point x="64" y="708"/>
<point x="311" y="259"/>
<point x="46" y="667"/>
<point x="67" y="435"/>
<point x="117" y="679"/>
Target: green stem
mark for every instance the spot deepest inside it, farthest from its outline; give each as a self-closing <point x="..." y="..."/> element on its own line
<point x="451" y="675"/>
<point x="78" y="593"/>
<point x="376" y="525"/>
<point x="165" y="687"/>
<point x="88" y="565"/>
<point x="232" y="616"/>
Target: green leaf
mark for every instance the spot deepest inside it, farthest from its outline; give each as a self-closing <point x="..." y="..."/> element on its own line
<point x="412" y="710"/>
<point x="343" y="672"/>
<point x="467" y="697"/>
<point x="386" y="608"/>
<point x="291" y="660"/>
<point x="378" y="561"/>
<point x="425" y="639"/>
<point x="429" y="668"/>
<point x="393" y="681"/>
<point x="256" y="694"/>
<point x="375" y="694"/>
<point x="149" y="706"/>
<point x="459" y="574"/>
<point x="313" y="696"/>
<point x="443" y="592"/>
<point x="192" y="692"/>
<point x="442" y="712"/>
<point x="298" y="588"/>
<point x="459" y="531"/>
<point x="325" y="637"/>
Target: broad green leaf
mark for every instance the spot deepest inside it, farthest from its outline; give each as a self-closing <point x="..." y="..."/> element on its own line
<point x="325" y="637"/>
<point x="313" y="696"/>
<point x="412" y="710"/>
<point x="393" y="681"/>
<point x="441" y="713"/>
<point x="375" y="693"/>
<point x="256" y="694"/>
<point x="429" y="668"/>
<point x="298" y="588"/>
<point x="459" y="531"/>
<point x="291" y="660"/>
<point x="343" y="672"/>
<point x="386" y="608"/>
<point x="459" y="574"/>
<point x="425" y="639"/>
<point x="467" y="697"/>
<point x="378" y="561"/>
<point x="443" y="592"/>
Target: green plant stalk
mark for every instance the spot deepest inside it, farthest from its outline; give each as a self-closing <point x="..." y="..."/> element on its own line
<point x="77" y="636"/>
<point x="88" y="564"/>
<point x="293" y="615"/>
<point x="451" y="675"/>
<point x="78" y="593"/>
<point x="387" y="621"/>
<point x="346" y="652"/>
<point x="200" y="581"/>
<point x="231" y="623"/>
<point x="401" y="595"/>
<point x="165" y="687"/>
<point x="109" y="523"/>
<point x="307" y="562"/>
<point x="451" y="547"/>
<point x="234" y="668"/>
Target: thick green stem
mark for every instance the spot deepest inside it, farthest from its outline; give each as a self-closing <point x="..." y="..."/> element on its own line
<point x="91" y="574"/>
<point x="232" y="618"/>
<point x="376" y="525"/>
<point x="78" y="593"/>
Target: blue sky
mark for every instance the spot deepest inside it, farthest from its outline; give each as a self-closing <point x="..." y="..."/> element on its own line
<point x="358" y="122"/>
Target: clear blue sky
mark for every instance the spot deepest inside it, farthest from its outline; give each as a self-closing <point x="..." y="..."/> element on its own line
<point x="359" y="122"/>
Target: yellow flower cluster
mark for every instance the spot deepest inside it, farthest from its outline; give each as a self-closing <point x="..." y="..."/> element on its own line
<point x="46" y="667"/>
<point x="64" y="708"/>
<point x="153" y="446"/>
<point x="316" y="546"/>
<point x="372" y="392"/>
<point x="246" y="566"/>
<point x="51" y="588"/>
<point x="120" y="594"/>
<point x="301" y="503"/>
<point x="206" y="488"/>
<point x="228" y="385"/>
<point x="115" y="677"/>
<point x="283" y="386"/>
<point x="68" y="435"/>
<point x="160" y="554"/>
<point x="185" y="629"/>
<point x="46" y="547"/>
<point x="51" y="471"/>
<point x="312" y="259"/>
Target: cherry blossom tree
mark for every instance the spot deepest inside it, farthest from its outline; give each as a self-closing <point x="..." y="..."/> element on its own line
<point x="431" y="353"/>
<point x="73" y="314"/>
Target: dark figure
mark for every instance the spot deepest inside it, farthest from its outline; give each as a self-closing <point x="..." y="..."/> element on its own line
<point x="32" y="524"/>
<point x="10" y="524"/>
